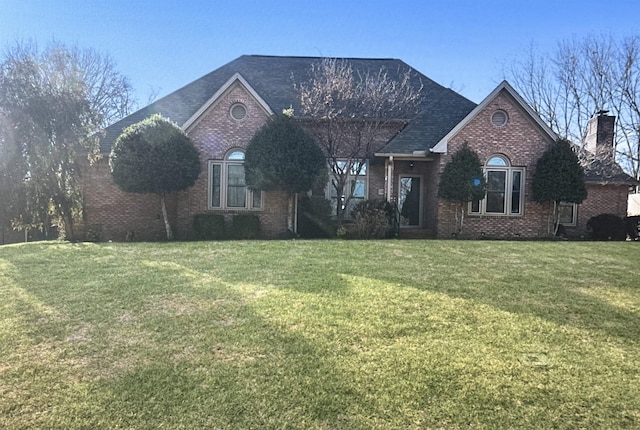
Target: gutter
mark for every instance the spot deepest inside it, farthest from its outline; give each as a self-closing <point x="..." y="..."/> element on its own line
<point x="415" y="155"/>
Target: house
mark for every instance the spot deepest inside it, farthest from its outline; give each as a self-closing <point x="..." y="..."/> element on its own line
<point x="222" y="110"/>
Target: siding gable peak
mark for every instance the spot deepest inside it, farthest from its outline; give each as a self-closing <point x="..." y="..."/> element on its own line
<point x="441" y="146"/>
<point x="237" y="78"/>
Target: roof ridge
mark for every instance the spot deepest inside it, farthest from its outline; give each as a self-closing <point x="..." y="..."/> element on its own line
<point x="319" y="57"/>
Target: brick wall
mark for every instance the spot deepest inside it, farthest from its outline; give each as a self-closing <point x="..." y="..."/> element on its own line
<point x="610" y="199"/>
<point x="215" y="134"/>
<point x="520" y="140"/>
<point x="117" y="214"/>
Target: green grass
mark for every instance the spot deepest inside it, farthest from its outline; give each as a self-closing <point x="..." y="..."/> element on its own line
<point x="320" y="335"/>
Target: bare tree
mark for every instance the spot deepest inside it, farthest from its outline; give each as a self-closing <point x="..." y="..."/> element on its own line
<point x="350" y="111"/>
<point x="581" y="78"/>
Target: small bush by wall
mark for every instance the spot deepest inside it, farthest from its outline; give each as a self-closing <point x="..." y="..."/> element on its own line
<point x="209" y="227"/>
<point x="314" y="218"/>
<point x="606" y="227"/>
<point x="372" y="219"/>
<point x="93" y="233"/>
<point x="245" y="226"/>
<point x="632" y="227"/>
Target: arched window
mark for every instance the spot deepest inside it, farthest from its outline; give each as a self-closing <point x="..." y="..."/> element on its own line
<point x="505" y="188"/>
<point x="227" y="187"/>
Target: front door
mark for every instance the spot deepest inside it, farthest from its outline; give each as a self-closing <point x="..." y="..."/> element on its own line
<point x="410" y="201"/>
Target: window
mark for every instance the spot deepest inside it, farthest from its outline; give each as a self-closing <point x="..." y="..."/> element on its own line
<point x="499" y="118"/>
<point x="238" y="111"/>
<point x="568" y="214"/>
<point x="227" y="187"/>
<point x="505" y="185"/>
<point x="356" y="185"/>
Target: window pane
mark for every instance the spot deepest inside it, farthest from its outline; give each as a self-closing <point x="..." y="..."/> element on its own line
<point x="496" y="183"/>
<point x="256" y="197"/>
<point x="340" y="166"/>
<point x="475" y="206"/>
<point x="363" y="168"/>
<point x="497" y="161"/>
<point x="516" y="192"/>
<point x="236" y="189"/>
<point x="358" y="186"/>
<point x="236" y="155"/>
<point x="215" y="185"/>
<point x="566" y="213"/>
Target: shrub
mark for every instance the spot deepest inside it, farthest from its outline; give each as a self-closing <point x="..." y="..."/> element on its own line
<point x="314" y="218"/>
<point x="632" y="227"/>
<point x="209" y="227"/>
<point x="606" y="227"/>
<point x="94" y="233"/>
<point x="245" y="226"/>
<point x="373" y="219"/>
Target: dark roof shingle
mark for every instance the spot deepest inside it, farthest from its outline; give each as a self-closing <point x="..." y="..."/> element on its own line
<point x="273" y="78"/>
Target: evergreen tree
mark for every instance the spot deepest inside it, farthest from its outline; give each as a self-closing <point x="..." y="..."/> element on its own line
<point x="282" y="156"/>
<point x="462" y="181"/>
<point x="558" y="177"/>
<point x="154" y="156"/>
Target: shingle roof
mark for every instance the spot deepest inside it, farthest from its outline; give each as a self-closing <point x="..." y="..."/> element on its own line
<point x="443" y="110"/>
<point x="273" y="79"/>
<point x="602" y="169"/>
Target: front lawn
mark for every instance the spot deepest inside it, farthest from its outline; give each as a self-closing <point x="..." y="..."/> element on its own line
<point x="320" y="335"/>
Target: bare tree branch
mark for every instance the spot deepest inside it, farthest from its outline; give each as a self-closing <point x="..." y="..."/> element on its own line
<point x="352" y="111"/>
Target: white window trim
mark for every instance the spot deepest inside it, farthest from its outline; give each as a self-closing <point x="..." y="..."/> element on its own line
<point x="509" y="170"/>
<point x="224" y="168"/>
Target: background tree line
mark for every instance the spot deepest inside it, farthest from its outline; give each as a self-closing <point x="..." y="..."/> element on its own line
<point x="579" y="78"/>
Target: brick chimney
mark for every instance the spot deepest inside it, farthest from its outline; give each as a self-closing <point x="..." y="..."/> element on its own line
<point x="600" y="133"/>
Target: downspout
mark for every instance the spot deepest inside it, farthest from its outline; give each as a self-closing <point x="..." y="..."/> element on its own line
<point x="390" y="179"/>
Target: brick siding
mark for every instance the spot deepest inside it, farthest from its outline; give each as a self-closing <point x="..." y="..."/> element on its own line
<point x="601" y="199"/>
<point x="520" y="140"/>
<point x="117" y="214"/>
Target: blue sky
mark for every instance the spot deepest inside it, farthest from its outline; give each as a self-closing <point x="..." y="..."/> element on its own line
<point x="163" y="45"/>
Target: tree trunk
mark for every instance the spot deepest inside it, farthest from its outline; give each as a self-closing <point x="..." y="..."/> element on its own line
<point x="556" y="217"/>
<point x="67" y="221"/>
<point x="290" y="214"/>
<point x="167" y="225"/>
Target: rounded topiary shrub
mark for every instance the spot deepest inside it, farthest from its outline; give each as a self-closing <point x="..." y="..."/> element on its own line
<point x="209" y="227"/>
<point x="606" y="227"/>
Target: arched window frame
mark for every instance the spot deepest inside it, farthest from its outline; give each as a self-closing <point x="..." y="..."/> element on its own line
<point x="227" y="186"/>
<point x="505" y="189"/>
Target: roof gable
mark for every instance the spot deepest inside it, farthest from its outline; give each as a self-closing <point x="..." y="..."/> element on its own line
<point x="441" y="146"/>
<point x="235" y="79"/>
